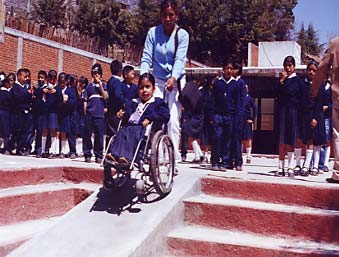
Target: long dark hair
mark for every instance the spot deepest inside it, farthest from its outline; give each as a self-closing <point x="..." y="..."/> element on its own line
<point x="148" y="76"/>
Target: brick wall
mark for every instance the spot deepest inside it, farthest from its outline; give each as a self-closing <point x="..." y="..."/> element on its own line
<point x="8" y="54"/>
<point x="40" y="54"/>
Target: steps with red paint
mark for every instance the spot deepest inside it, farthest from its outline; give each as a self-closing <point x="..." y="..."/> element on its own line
<point x="31" y="200"/>
<point x="242" y="217"/>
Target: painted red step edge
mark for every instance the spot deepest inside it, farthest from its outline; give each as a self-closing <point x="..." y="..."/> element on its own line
<point x="39" y="205"/>
<point x="320" y="228"/>
<point x="317" y="197"/>
<point x="187" y="248"/>
<point x="36" y="176"/>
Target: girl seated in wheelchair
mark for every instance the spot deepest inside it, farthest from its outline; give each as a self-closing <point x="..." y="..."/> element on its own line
<point x="140" y="112"/>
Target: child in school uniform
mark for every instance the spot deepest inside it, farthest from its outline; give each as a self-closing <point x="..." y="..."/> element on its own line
<point x="226" y="105"/>
<point x="5" y="107"/>
<point x="37" y="112"/>
<point x="129" y="89"/>
<point x="307" y="122"/>
<point x="238" y="120"/>
<point x="51" y="96"/>
<point x="65" y="110"/>
<point x="140" y="112"/>
<point x="250" y="114"/>
<point x="22" y="98"/>
<point x="288" y="94"/>
<point x="95" y="95"/>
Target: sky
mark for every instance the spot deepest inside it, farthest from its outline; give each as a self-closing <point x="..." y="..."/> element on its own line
<point x="322" y="14"/>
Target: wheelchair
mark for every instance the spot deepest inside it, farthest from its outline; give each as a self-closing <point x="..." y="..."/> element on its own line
<point x="153" y="161"/>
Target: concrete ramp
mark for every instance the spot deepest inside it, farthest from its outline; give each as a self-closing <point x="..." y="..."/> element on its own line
<point x="112" y="223"/>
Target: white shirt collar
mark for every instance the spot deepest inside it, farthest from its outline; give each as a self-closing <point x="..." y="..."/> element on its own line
<point x="292" y="75"/>
<point x="17" y="82"/>
<point x="5" y="89"/>
<point x="228" y="81"/>
<point x="117" y="77"/>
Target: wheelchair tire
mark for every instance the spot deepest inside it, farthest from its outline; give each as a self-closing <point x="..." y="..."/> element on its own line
<point x="162" y="163"/>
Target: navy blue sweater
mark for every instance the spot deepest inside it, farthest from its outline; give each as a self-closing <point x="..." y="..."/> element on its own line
<point x="226" y="97"/>
<point x="22" y="99"/>
<point x="5" y="100"/>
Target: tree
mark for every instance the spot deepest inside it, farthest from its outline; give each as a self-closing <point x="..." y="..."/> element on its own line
<point x="309" y="42"/>
<point x="50" y="12"/>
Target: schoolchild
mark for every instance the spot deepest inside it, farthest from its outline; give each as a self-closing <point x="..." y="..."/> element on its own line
<point x="80" y="114"/>
<point x="250" y="114"/>
<point x="5" y="112"/>
<point x="140" y="112"/>
<point x="66" y="107"/>
<point x="11" y="78"/>
<point x="70" y="107"/>
<point x="22" y="98"/>
<point x="207" y="129"/>
<point x="192" y="119"/>
<point x="226" y="98"/>
<point x="95" y="95"/>
<point x="116" y="99"/>
<point x="238" y="119"/>
<point x="323" y="131"/>
<point x="52" y="98"/>
<point x="307" y="122"/>
<point x="38" y="111"/>
<point x="288" y="94"/>
<point x="129" y="89"/>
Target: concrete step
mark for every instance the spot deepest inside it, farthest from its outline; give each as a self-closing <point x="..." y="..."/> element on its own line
<point x="40" y="201"/>
<point x="202" y="241"/>
<point x="12" y="236"/>
<point x="274" y="190"/>
<point x="32" y="176"/>
<point x="263" y="218"/>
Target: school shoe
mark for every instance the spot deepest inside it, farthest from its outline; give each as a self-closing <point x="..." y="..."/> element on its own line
<point x="297" y="170"/>
<point x="290" y="172"/>
<point x="6" y="153"/>
<point x="72" y="156"/>
<point x="304" y="172"/>
<point x="248" y="159"/>
<point x="326" y="169"/>
<point x="314" y="171"/>
<point x="98" y="160"/>
<point x="238" y="168"/>
<point x="222" y="168"/>
<point x="204" y="161"/>
<point x="38" y="155"/>
<point x="88" y="159"/>
<point x="52" y="156"/>
<point x="331" y="180"/>
<point x="198" y="160"/>
<point x="61" y="156"/>
<point x="280" y="172"/>
<point x="183" y="158"/>
<point x="215" y="168"/>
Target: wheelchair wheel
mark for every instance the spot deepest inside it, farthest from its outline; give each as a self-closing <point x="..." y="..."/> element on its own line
<point x="162" y="163"/>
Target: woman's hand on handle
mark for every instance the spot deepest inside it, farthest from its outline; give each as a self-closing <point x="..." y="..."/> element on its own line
<point x="170" y="83"/>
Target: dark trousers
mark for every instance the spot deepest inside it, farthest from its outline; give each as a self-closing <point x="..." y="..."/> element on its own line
<point x="221" y="147"/>
<point x="184" y="143"/>
<point x="23" y="130"/>
<point x="93" y="125"/>
<point x="72" y="134"/>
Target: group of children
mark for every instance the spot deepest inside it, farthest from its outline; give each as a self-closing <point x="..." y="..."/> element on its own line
<point x="303" y="121"/>
<point x="62" y="109"/>
<point x="223" y="118"/>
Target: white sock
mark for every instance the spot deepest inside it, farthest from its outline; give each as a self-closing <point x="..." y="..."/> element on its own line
<point x="43" y="144"/>
<point x="1" y="141"/>
<point x="63" y="146"/>
<point x="249" y="151"/>
<point x="281" y="164"/>
<point x="196" y="149"/>
<point x="316" y="156"/>
<point x="308" y="158"/>
<point x="57" y="145"/>
<point x="327" y="152"/>
<point x="79" y="145"/>
<point x="290" y="156"/>
<point x="53" y="145"/>
<point x="297" y="152"/>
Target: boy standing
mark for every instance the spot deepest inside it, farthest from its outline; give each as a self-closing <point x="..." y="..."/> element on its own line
<point x="95" y="95"/>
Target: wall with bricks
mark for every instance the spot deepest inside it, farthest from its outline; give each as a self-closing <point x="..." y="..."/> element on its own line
<point x="21" y="49"/>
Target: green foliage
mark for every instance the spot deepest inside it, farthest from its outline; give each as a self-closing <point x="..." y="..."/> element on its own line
<point x="50" y="12"/>
<point x="106" y="19"/>
<point x="309" y="42"/>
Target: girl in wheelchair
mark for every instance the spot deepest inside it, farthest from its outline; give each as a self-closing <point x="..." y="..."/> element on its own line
<point x="140" y="112"/>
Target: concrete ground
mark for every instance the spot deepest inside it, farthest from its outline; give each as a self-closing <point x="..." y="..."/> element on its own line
<point x="117" y="223"/>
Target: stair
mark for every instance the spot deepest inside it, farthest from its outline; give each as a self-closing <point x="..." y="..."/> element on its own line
<point x="243" y="217"/>
<point x="32" y="200"/>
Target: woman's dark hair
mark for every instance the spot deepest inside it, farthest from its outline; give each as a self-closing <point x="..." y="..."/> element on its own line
<point x="148" y="76"/>
<point x="313" y="62"/>
<point x="169" y="3"/>
<point x="289" y="59"/>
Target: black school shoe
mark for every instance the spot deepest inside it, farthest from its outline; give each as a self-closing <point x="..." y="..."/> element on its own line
<point x="331" y="180"/>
